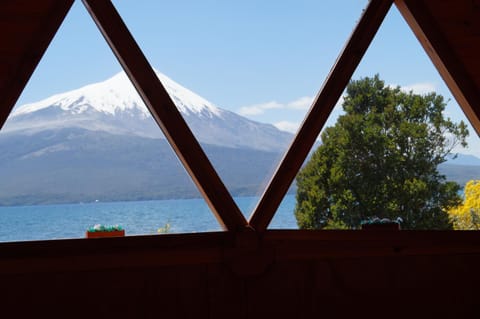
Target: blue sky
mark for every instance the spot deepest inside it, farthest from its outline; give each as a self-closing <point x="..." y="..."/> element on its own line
<point x="263" y="59"/>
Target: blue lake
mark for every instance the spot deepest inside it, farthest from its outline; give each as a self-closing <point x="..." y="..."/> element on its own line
<point x="22" y="223"/>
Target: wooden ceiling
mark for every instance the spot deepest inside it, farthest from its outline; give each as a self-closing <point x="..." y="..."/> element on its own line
<point x="27" y="29"/>
<point x="449" y="30"/>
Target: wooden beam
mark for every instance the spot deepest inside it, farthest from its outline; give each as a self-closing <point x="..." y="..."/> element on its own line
<point x="32" y="53"/>
<point x="323" y="105"/>
<point x="166" y="114"/>
<point x="451" y="69"/>
<point x="176" y="250"/>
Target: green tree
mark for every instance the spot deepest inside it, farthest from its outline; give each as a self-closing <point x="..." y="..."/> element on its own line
<point x="380" y="160"/>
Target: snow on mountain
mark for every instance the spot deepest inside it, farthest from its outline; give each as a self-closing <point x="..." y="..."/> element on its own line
<point x="115" y="107"/>
<point x="117" y="94"/>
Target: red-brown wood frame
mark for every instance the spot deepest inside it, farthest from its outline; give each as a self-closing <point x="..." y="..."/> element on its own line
<point x="443" y="57"/>
<point x="166" y="114"/>
<point x="298" y="273"/>
<point x="186" y="146"/>
<point x="36" y="47"/>
<point x="323" y="105"/>
<point x="217" y="247"/>
<point x="182" y="139"/>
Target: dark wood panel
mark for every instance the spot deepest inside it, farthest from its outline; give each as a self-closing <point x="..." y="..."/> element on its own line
<point x="19" y="25"/>
<point x="34" y="46"/>
<point x="459" y="22"/>
<point x="26" y="7"/>
<point x="77" y="255"/>
<point x="456" y="74"/>
<point x="438" y="285"/>
<point x="299" y="274"/>
<point x="289" y="298"/>
<point x="227" y="293"/>
<point x="17" y="48"/>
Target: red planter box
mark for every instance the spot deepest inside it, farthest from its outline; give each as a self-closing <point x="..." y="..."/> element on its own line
<point x="100" y="234"/>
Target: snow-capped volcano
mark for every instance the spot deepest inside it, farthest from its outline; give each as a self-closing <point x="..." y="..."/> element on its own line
<point x="117" y="94"/>
<point x="115" y="107"/>
<point x="100" y="142"/>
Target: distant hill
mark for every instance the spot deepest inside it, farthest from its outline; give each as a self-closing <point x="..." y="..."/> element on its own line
<point x="461" y="169"/>
<point x="76" y="165"/>
<point x="460" y="173"/>
<point x="464" y="160"/>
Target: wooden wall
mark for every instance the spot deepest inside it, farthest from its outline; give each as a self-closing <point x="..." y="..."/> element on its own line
<point x="282" y="274"/>
<point x="299" y="274"/>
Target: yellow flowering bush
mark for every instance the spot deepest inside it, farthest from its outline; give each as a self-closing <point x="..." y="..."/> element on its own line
<point x="467" y="215"/>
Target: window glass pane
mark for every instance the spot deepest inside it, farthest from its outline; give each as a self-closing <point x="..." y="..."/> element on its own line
<point x="389" y="153"/>
<point x="81" y="149"/>
<point x="259" y="63"/>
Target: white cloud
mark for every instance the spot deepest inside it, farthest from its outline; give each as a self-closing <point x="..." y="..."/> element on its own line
<point x="258" y="109"/>
<point x="302" y="103"/>
<point x="287" y="126"/>
<point x="418" y="88"/>
<point x="421" y="88"/>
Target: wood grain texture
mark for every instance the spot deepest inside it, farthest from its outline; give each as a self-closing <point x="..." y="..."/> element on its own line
<point x="336" y="274"/>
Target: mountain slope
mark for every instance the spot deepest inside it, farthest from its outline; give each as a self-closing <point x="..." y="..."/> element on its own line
<point x="113" y="106"/>
<point x="87" y="166"/>
<point x="99" y="142"/>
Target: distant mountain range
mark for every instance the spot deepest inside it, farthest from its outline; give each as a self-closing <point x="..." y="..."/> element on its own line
<point x="461" y="169"/>
<point x="464" y="160"/>
<point x="99" y="142"/>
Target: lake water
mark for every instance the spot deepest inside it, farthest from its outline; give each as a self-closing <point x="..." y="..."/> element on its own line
<point x="22" y="223"/>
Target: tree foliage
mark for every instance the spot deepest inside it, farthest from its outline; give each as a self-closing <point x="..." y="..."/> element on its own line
<point x="466" y="216"/>
<point x="380" y="160"/>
